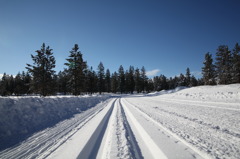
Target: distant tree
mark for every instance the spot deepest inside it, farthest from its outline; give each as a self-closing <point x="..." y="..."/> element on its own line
<point x="208" y="70"/>
<point x="130" y="79"/>
<point x="42" y="71"/>
<point x="223" y="64"/>
<point x="182" y="80"/>
<point x="171" y="83"/>
<point x="188" y="77"/>
<point x="11" y="85"/>
<point x="62" y="82"/>
<point x="150" y="86"/>
<point x="200" y="82"/>
<point x="121" y="79"/>
<point x="108" y="81"/>
<point x="19" y="84"/>
<point x="77" y="69"/>
<point x="193" y="81"/>
<point x="156" y="83"/>
<point x="91" y="81"/>
<point x="101" y="78"/>
<point x="163" y="81"/>
<point x="236" y="64"/>
<point x="4" y="85"/>
<point x="114" y="82"/>
<point x="27" y="82"/>
<point x="138" y="81"/>
<point x="160" y="83"/>
<point x="144" y="79"/>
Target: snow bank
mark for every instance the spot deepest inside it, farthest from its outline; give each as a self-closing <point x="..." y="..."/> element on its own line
<point x="220" y="93"/>
<point x="167" y="91"/>
<point x="22" y="116"/>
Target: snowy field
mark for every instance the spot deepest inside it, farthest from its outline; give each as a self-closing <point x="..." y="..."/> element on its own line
<point x="199" y="122"/>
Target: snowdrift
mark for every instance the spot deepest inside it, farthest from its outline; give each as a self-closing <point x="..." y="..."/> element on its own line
<point x="22" y="116"/>
<point x="220" y="93"/>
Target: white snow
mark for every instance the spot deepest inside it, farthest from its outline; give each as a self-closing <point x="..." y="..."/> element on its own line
<point x="206" y="117"/>
<point x="185" y="123"/>
<point x="21" y="116"/>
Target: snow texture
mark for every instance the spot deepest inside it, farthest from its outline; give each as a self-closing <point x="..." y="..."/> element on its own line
<point x="184" y="123"/>
<point x="22" y="116"/>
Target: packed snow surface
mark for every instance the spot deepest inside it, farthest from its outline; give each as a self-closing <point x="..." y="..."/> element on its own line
<point x="22" y="116"/>
<point x="185" y="123"/>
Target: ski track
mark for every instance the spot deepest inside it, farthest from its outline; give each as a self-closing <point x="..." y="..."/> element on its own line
<point x="141" y="127"/>
<point x="119" y="141"/>
<point x="41" y="144"/>
<point x="215" y="131"/>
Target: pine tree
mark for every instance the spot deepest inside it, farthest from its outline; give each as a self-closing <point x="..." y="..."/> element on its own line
<point x="236" y="64"/>
<point x="4" y="85"/>
<point x="101" y="78"/>
<point x="223" y="65"/>
<point x="27" y="82"/>
<point x="138" y="81"/>
<point x="121" y="79"/>
<point x="208" y="70"/>
<point x="42" y="71"/>
<point x="171" y="83"/>
<point x="108" y="81"/>
<point x="11" y="85"/>
<point x="77" y="69"/>
<point x="144" y="79"/>
<point x="19" y="84"/>
<point x="114" y="82"/>
<point x="130" y="79"/>
<point x="182" y="80"/>
<point x="127" y="82"/>
<point x="188" y="77"/>
<point x="91" y="81"/>
<point x="62" y="82"/>
<point x="150" y="86"/>
<point x="193" y="81"/>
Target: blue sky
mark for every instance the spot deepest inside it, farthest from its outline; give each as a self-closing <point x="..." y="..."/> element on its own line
<point x="163" y="35"/>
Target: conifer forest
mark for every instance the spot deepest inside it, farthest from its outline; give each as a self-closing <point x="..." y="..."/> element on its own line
<point x="78" y="78"/>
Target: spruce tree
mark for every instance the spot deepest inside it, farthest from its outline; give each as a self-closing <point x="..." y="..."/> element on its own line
<point x="188" y="77"/>
<point x="108" y="81"/>
<point x="138" y="81"/>
<point x="193" y="81"/>
<point x="101" y="78"/>
<point x="163" y="82"/>
<point x="121" y="79"/>
<point x="42" y="71"/>
<point x="208" y="70"/>
<point x="223" y="64"/>
<point x="150" y="86"/>
<point x="4" y="85"/>
<point x="114" y="82"/>
<point x="77" y="70"/>
<point x="236" y="64"/>
<point x="91" y="81"/>
<point x="27" y="82"/>
<point x="131" y="81"/>
<point x="182" y="80"/>
<point x="62" y="82"/>
<point x="19" y="84"/>
<point x="144" y="79"/>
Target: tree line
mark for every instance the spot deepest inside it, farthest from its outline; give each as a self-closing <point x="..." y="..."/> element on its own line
<point x="226" y="67"/>
<point x="78" y="78"/>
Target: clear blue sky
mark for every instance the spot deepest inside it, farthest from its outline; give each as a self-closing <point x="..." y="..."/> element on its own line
<point x="159" y="34"/>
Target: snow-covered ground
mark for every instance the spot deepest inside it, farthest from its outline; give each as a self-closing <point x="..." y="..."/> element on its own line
<point x="22" y="116"/>
<point x="199" y="122"/>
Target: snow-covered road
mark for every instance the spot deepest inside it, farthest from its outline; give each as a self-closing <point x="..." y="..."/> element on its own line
<point x="157" y="126"/>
